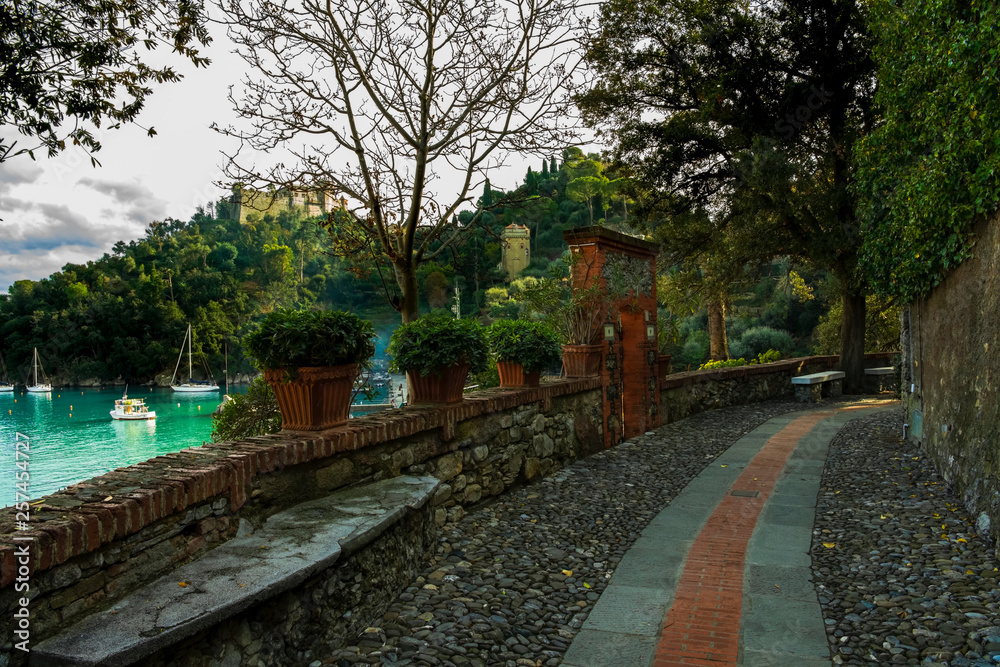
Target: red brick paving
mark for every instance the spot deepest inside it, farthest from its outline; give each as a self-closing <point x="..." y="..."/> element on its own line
<point x="703" y="626"/>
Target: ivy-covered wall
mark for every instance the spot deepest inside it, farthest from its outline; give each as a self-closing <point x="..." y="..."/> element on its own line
<point x="931" y="167"/>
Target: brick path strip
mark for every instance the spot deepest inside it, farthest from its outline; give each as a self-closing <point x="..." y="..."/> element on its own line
<point x="703" y="626"/>
<point x="691" y="563"/>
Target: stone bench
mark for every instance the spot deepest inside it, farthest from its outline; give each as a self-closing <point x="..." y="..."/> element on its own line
<point x="880" y="379"/>
<point x="814" y="387"/>
<point x="290" y="547"/>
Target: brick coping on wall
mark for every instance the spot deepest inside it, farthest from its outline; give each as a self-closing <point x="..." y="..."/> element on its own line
<point x="98" y="511"/>
<point x="796" y="365"/>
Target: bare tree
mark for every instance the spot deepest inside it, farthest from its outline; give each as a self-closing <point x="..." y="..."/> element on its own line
<point x="401" y="106"/>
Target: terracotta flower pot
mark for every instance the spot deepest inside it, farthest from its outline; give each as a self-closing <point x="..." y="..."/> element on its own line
<point x="318" y="397"/>
<point x="446" y="388"/>
<point x="663" y="366"/>
<point x="512" y="374"/>
<point x="581" y="361"/>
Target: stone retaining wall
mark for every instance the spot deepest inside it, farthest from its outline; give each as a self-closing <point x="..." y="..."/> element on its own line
<point x="951" y="384"/>
<point x="691" y="392"/>
<point x="319" y="615"/>
<point x="98" y="540"/>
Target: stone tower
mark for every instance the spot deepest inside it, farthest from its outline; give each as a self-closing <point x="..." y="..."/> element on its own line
<point x="516" y="249"/>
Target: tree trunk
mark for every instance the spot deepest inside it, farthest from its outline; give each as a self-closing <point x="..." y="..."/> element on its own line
<point x="717" y="330"/>
<point x="852" y="340"/>
<point x="409" y="304"/>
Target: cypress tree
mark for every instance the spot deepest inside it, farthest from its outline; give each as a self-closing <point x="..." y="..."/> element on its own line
<point x="553" y="169"/>
<point x="487" y="199"/>
<point x="545" y="168"/>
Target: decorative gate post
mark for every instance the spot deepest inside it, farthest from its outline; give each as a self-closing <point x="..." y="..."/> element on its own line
<point x="624" y="269"/>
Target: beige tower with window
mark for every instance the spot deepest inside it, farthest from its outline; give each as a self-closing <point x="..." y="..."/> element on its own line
<point x="516" y="249"/>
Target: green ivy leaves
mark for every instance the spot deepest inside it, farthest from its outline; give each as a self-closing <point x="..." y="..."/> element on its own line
<point x="933" y="166"/>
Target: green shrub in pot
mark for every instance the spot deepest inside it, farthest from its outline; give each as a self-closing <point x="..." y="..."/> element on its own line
<point x="534" y="345"/>
<point x="432" y="343"/>
<point x="289" y="339"/>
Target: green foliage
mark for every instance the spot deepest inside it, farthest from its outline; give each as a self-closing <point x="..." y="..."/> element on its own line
<point x="575" y="314"/>
<point x="933" y="165"/>
<point x="78" y="62"/>
<point x="758" y="340"/>
<point x="292" y="339"/>
<point x="695" y="348"/>
<point x="432" y="343"/>
<point x="486" y="378"/>
<point x="762" y="358"/>
<point x="881" y="327"/>
<point x="253" y="413"/>
<point x="534" y="345"/>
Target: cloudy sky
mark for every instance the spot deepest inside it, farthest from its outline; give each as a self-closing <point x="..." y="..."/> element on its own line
<point x="61" y="210"/>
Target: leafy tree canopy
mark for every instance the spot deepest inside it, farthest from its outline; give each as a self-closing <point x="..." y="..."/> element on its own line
<point x="72" y="65"/>
<point x="738" y="120"/>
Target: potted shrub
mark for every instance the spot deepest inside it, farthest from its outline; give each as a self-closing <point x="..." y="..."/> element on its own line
<point x="437" y="352"/>
<point x="522" y="349"/>
<point x="577" y="315"/>
<point x="311" y="360"/>
<point x="582" y="323"/>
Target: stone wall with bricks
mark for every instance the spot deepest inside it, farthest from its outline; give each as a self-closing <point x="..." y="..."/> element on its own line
<point x="691" y="392"/>
<point x="101" y="539"/>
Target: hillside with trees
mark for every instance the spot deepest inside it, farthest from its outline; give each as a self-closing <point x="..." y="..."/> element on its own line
<point x="122" y="316"/>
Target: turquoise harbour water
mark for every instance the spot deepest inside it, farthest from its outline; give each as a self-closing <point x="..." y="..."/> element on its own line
<point x="72" y="436"/>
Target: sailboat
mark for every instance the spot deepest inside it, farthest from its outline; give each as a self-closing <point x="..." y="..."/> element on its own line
<point x="5" y="384"/>
<point x="191" y="386"/>
<point x="36" y="388"/>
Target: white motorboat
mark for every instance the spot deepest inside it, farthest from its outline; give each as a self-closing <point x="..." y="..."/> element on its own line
<point x="191" y="386"/>
<point x="35" y="387"/>
<point x="129" y="409"/>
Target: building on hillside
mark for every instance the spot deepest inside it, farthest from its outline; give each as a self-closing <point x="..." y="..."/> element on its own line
<point x="246" y="202"/>
<point x="516" y="249"/>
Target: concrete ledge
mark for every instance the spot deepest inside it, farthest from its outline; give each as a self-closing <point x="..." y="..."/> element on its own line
<point x="816" y="378"/>
<point x="886" y="370"/>
<point x="290" y="547"/>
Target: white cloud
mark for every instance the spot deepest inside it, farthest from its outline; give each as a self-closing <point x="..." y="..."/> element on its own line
<point x="32" y="264"/>
<point x="138" y="202"/>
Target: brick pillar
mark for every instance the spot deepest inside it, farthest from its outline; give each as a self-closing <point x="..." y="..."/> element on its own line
<point x="624" y="268"/>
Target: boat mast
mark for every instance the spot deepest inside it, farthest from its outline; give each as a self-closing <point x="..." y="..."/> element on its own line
<point x="226" y="354"/>
<point x="36" y="366"/>
<point x="180" y="355"/>
<point x="190" y="347"/>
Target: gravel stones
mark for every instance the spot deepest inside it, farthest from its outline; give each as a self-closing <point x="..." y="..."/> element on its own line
<point x="900" y="570"/>
<point x="512" y="582"/>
